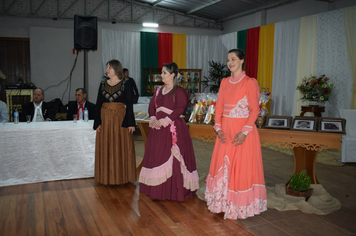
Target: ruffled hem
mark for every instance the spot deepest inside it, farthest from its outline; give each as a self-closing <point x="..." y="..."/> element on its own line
<point x="158" y="175"/>
<point x="235" y="204"/>
<point x="191" y="179"/>
<point x="232" y="211"/>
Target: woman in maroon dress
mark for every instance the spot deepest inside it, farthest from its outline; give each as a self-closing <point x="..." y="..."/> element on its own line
<point x="169" y="169"/>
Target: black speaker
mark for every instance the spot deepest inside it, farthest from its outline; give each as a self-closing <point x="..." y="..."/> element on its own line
<point x="85" y="32"/>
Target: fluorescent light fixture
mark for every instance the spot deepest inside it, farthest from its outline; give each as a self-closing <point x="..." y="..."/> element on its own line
<point x="146" y="24"/>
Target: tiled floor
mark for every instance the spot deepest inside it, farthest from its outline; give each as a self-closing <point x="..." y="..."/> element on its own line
<point x="338" y="180"/>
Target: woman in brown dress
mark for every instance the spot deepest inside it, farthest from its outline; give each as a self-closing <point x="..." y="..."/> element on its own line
<point x="114" y="123"/>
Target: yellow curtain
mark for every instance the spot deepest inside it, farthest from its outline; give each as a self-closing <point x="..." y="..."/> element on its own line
<point x="179" y="48"/>
<point x="350" y="34"/>
<point x="265" y="58"/>
<point x="306" y="54"/>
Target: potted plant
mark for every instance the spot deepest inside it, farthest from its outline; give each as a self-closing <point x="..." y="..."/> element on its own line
<point x="217" y="72"/>
<point x="315" y="89"/>
<point x="299" y="185"/>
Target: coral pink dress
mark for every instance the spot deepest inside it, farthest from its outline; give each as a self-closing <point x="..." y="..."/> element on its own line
<point x="235" y="184"/>
<point x="168" y="169"/>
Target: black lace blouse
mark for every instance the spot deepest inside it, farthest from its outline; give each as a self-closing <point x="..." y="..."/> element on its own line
<point x="121" y="92"/>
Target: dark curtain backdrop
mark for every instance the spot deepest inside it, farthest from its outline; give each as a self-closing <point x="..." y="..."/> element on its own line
<point x="251" y="55"/>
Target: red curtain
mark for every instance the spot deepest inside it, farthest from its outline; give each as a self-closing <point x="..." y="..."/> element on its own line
<point x="164" y="48"/>
<point x="251" y="55"/>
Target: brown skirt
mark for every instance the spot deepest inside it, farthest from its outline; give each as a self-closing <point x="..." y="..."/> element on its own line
<point x="115" y="161"/>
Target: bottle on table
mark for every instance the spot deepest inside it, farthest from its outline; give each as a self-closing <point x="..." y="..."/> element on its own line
<point x="16" y="117"/>
<point x="86" y="115"/>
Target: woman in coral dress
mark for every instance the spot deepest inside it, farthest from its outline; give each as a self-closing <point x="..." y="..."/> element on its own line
<point x="169" y="170"/>
<point x="235" y="184"/>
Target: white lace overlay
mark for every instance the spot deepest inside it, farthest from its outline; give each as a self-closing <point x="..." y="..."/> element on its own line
<point x="217" y="199"/>
<point x="241" y="110"/>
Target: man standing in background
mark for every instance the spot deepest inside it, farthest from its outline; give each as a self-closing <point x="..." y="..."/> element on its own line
<point x="133" y="83"/>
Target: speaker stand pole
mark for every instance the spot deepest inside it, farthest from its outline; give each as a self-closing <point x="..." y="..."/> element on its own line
<point x="86" y="71"/>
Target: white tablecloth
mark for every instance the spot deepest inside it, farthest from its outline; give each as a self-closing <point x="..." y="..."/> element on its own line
<point x="46" y="151"/>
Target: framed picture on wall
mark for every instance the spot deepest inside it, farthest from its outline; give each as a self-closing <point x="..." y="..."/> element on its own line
<point x="278" y="122"/>
<point x="332" y="125"/>
<point x="305" y="123"/>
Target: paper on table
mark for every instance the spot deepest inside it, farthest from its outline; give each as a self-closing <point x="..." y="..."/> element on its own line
<point x="141" y="115"/>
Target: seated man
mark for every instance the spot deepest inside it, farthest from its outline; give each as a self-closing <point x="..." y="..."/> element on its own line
<point x="77" y="107"/>
<point x="38" y="109"/>
<point x="4" y="112"/>
<point x="133" y="84"/>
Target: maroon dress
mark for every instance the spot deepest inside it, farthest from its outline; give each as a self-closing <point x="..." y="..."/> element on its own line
<point x="169" y="170"/>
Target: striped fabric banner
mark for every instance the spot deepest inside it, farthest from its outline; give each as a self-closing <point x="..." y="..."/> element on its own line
<point x="265" y="58"/>
<point x="160" y="48"/>
<point x="180" y="50"/>
<point x="164" y="49"/>
<point x="251" y="54"/>
<point x="242" y="40"/>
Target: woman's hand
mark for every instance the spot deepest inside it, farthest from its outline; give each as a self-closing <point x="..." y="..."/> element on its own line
<point x="239" y="139"/>
<point x="221" y="136"/>
<point x="152" y="122"/>
<point x="98" y="129"/>
<point x="131" y="129"/>
<point x="164" y="122"/>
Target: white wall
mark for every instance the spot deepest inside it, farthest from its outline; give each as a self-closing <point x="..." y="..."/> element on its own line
<point x="52" y="58"/>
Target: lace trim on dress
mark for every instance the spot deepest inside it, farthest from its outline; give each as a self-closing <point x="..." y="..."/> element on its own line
<point x="165" y="110"/>
<point x="166" y="92"/>
<point x="241" y="110"/>
<point x="235" y="82"/>
<point x="246" y="129"/>
<point x="220" y="199"/>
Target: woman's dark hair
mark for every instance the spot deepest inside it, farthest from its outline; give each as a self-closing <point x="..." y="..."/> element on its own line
<point x="240" y="54"/>
<point x="173" y="68"/>
<point x="116" y="65"/>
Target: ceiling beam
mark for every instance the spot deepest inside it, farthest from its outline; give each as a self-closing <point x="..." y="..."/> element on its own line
<point x="281" y="2"/>
<point x="118" y="12"/>
<point x="102" y="2"/>
<point x="67" y="8"/>
<point x="156" y="2"/>
<point x="203" y="6"/>
<point x="38" y="7"/>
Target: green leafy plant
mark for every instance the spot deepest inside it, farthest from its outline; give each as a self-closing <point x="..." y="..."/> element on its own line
<point x="217" y="72"/>
<point x="300" y="182"/>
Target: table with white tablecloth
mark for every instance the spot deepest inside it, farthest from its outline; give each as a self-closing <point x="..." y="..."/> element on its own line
<point x="46" y="151"/>
<point x="142" y="105"/>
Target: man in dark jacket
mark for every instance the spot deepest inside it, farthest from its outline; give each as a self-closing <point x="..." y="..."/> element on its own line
<point x="38" y="109"/>
<point x="133" y="84"/>
<point x="77" y="107"/>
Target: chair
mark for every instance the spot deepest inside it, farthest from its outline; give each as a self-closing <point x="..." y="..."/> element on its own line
<point x="348" y="145"/>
